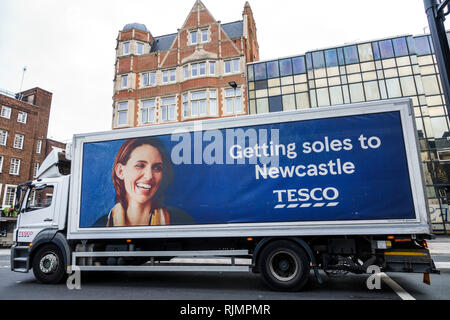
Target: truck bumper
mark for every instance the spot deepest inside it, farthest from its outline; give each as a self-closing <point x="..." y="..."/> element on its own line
<point x="20" y="258"/>
<point x="409" y="260"/>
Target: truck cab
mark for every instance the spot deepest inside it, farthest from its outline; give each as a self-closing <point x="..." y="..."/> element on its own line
<point x="42" y="206"/>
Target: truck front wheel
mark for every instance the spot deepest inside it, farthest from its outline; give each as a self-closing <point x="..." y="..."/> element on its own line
<point x="284" y="266"/>
<point x="48" y="264"/>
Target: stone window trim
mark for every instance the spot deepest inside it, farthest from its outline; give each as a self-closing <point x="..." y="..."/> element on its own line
<point x="120" y="109"/>
<point x="211" y="95"/>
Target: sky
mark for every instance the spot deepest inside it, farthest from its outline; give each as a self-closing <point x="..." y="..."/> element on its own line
<point x="68" y="47"/>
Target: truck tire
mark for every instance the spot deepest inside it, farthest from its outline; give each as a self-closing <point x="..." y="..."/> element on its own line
<point x="284" y="266"/>
<point x="49" y="265"/>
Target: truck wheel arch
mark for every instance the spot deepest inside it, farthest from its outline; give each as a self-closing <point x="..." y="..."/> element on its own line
<point x="51" y="236"/>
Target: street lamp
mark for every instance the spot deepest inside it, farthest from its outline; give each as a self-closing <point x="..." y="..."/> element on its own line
<point x="436" y="16"/>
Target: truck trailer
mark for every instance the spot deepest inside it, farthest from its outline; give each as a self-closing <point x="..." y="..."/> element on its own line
<point x="337" y="189"/>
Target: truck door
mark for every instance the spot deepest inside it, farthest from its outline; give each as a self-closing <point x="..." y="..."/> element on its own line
<point x="39" y="208"/>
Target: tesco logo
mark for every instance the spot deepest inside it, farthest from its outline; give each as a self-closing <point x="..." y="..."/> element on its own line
<point x="25" y="234"/>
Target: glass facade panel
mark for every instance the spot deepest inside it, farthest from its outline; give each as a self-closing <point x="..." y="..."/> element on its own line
<point x="250" y="74"/>
<point x="331" y="58"/>
<point x="439" y="125"/>
<point x="288" y="102"/>
<point x="400" y="47"/>
<point x="302" y="100"/>
<point x="322" y="97"/>
<point x="430" y="85"/>
<point x="285" y="67"/>
<point x="275" y="104"/>
<point x="393" y="88"/>
<point x="341" y="56"/>
<point x="262" y="105"/>
<point x="356" y="92"/>
<point x="260" y="71"/>
<point x="376" y="51"/>
<point x="365" y="52"/>
<point x="386" y="49"/>
<point x="351" y="54"/>
<point x="272" y="69"/>
<point x="298" y="65"/>
<point x="318" y="60"/>
<point x="336" y="95"/>
<point x="371" y="89"/>
<point x="408" y="87"/>
<point x="422" y="46"/>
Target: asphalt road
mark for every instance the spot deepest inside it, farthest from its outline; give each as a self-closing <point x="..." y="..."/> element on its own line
<point x="224" y="286"/>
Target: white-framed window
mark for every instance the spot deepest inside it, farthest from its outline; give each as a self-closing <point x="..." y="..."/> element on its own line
<point x="212" y="68"/>
<point x="186" y="72"/>
<point x="168" y="109"/>
<point x="39" y="146"/>
<point x="204" y="35"/>
<point x="213" y="102"/>
<point x="22" y="117"/>
<point x="2" y="158"/>
<point x="202" y="67"/>
<point x="233" y="101"/>
<point x="194" y="70"/>
<point x="122" y="113"/>
<point x="3" y="137"/>
<point x="6" y="112"/>
<point x="124" y="81"/>
<point x="18" y="141"/>
<point x="232" y="66"/>
<point x="35" y="169"/>
<point x="185" y="105"/>
<point x="198" y="103"/>
<point x="126" y="48"/>
<point x="169" y="76"/>
<point x="140" y="48"/>
<point x="148" y="79"/>
<point x="10" y="195"/>
<point x="194" y="37"/>
<point x="14" y="168"/>
<point x="148" y="111"/>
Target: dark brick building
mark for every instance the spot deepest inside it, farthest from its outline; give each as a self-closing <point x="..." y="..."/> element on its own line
<point x="24" y="145"/>
<point x="196" y="73"/>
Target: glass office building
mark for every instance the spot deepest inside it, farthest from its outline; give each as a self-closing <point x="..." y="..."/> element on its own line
<point x="403" y="66"/>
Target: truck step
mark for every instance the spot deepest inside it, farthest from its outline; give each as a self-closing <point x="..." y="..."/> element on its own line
<point x="21" y="259"/>
<point x="22" y="248"/>
<point x="23" y="270"/>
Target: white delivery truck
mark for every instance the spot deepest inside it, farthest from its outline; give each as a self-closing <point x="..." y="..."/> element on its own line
<point x="332" y="189"/>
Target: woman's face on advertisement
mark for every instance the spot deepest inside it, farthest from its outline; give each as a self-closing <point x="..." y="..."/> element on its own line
<point x="142" y="174"/>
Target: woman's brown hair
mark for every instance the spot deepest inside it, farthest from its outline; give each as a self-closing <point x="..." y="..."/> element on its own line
<point x="122" y="157"/>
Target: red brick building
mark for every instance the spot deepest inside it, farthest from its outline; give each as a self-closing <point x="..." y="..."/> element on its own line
<point x="24" y="145"/>
<point x="196" y="73"/>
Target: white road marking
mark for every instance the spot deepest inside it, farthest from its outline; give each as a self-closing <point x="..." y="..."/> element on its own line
<point x="442" y="265"/>
<point x="396" y="287"/>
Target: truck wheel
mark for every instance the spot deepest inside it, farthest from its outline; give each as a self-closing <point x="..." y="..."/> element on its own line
<point x="48" y="264"/>
<point x="284" y="266"/>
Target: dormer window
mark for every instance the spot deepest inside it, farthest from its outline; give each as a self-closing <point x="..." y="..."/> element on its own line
<point x="194" y="39"/>
<point x="204" y="33"/>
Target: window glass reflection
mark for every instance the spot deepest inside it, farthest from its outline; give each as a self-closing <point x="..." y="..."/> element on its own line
<point x="272" y="69"/>
<point x="285" y="67"/>
<point x="386" y="49"/>
<point x="298" y="65"/>
<point x="400" y="47"/>
<point x="376" y="51"/>
<point x="260" y="71"/>
<point x="351" y="55"/>
<point x="318" y="60"/>
<point x="422" y="46"/>
<point x="341" y="56"/>
<point x="331" y="58"/>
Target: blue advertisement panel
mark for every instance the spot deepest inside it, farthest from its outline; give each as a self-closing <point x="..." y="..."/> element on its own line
<point x="333" y="169"/>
